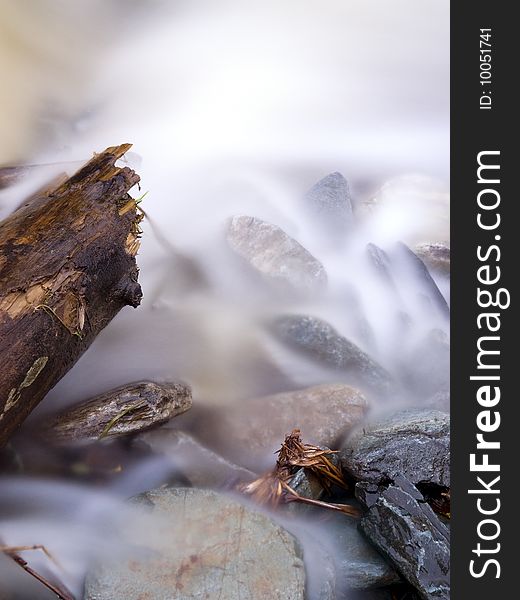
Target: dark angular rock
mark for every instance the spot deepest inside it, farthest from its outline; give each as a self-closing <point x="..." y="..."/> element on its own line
<point x="406" y="530"/>
<point x="367" y="493"/>
<point x="414" y="443"/>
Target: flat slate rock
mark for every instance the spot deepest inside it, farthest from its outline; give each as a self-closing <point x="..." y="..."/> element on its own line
<point x="318" y="340"/>
<point x="275" y="254"/>
<point x="250" y="432"/>
<point x="414" y="443"/>
<point x="202" y="467"/>
<point x="406" y="530"/>
<point x="330" y="203"/>
<point x="198" y="544"/>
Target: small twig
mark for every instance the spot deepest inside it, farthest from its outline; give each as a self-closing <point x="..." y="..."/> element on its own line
<point x="61" y="591"/>
<point x="344" y="508"/>
<point x="11" y="549"/>
<point x="273" y="487"/>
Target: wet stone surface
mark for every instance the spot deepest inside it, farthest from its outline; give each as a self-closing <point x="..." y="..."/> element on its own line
<point x="407" y="531"/>
<point x="201" y="466"/>
<point x="318" y="340"/>
<point x="436" y="257"/>
<point x="358" y="565"/>
<point x="275" y="255"/>
<point x="250" y="433"/>
<point x="329" y="203"/>
<point x="198" y="544"/>
<point x="414" y="443"/>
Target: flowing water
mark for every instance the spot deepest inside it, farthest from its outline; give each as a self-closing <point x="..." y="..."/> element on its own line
<point x="233" y="108"/>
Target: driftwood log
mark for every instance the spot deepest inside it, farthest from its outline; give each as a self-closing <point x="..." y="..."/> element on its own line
<point x="67" y="267"/>
<point x="126" y="410"/>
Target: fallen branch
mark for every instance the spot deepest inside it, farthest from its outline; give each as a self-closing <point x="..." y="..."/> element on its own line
<point x="67" y="267"/>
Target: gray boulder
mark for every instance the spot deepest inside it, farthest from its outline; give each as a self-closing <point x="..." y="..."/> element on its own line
<point x="414" y="443"/>
<point x="435" y="256"/>
<point x="330" y="204"/>
<point x="318" y="340"/>
<point x="249" y="433"/>
<point x="275" y="255"/>
<point x="202" y="467"/>
<point x="197" y="544"/>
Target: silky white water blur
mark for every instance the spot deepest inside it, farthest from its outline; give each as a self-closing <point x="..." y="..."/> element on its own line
<point x="234" y="107"/>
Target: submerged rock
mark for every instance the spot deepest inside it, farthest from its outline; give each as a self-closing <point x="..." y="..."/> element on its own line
<point x="440" y="401"/>
<point x="435" y="256"/>
<point x="194" y="544"/>
<point x="250" y="433"/>
<point x="125" y="410"/>
<point x="380" y="262"/>
<point x="413" y="198"/>
<point x="358" y="565"/>
<point x="329" y="202"/>
<point x="427" y="368"/>
<point x="201" y="466"/>
<point x="318" y="340"/>
<point x="407" y="531"/>
<point x="276" y="255"/>
<point x="415" y="267"/>
<point x="414" y="443"/>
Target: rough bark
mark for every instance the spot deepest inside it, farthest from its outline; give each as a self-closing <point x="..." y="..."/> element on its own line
<point x="67" y="267"/>
<point x="126" y="410"/>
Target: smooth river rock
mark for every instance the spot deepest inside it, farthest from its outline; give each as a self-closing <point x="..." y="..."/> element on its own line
<point x="418" y="270"/>
<point x="414" y="443"/>
<point x="276" y="255"/>
<point x="436" y="256"/>
<point x="330" y="204"/>
<point x="318" y="340"/>
<point x="201" y="466"/>
<point x="250" y="432"/>
<point x="407" y="531"/>
<point x="198" y="544"/>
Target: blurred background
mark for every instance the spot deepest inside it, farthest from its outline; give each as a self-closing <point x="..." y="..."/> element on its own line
<point x="233" y="107"/>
